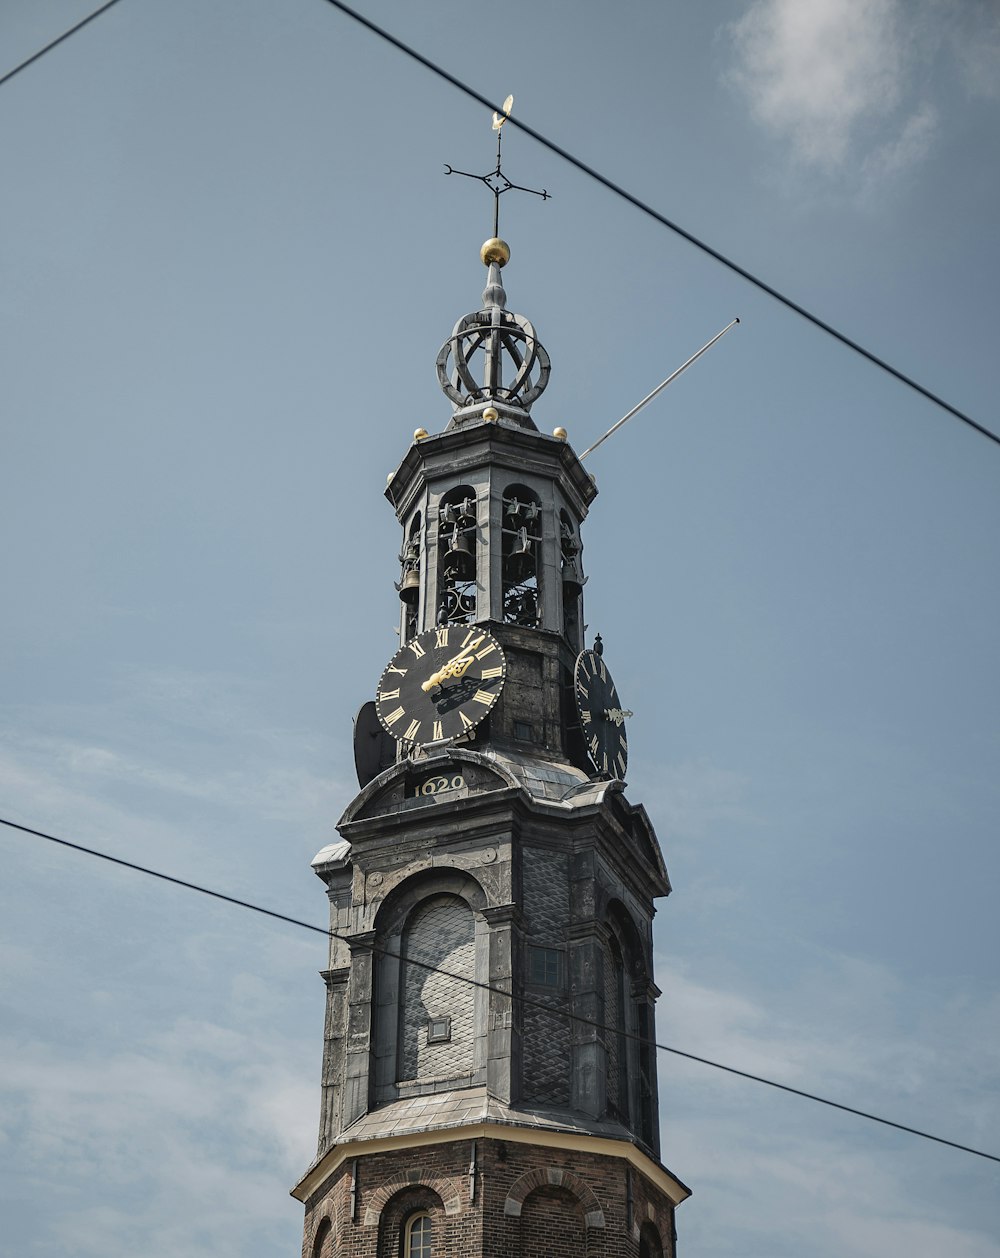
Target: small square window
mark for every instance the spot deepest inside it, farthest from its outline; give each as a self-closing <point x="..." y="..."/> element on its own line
<point x="543" y="966"/>
<point x="524" y="731"/>
<point x="439" y="1031"/>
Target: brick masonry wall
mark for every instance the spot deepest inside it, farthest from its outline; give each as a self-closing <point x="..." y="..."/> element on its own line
<point x="530" y="1202"/>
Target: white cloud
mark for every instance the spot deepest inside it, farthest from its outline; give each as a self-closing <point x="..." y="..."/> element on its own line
<point x="973" y="32"/>
<point x="857" y="89"/>
<point x="138" y="761"/>
<point x="197" y="1123"/>
<point x="904" y="151"/>
<point x="816" y="73"/>
<point x="846" y="1023"/>
<point x="147" y="1095"/>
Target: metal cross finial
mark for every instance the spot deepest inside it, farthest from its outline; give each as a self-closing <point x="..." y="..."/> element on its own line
<point x="496" y="180"/>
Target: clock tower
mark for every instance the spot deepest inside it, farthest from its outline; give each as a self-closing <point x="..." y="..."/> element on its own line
<point x="489" y="1070"/>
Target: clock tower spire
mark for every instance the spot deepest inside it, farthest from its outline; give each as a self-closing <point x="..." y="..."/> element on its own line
<point x="489" y="1072"/>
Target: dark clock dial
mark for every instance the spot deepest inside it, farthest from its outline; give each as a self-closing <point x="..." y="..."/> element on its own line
<point x="441" y="684"/>
<point x="602" y="718"/>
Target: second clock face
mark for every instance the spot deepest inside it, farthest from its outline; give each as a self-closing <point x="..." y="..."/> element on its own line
<point x="602" y="718"/>
<point x="441" y="684"/>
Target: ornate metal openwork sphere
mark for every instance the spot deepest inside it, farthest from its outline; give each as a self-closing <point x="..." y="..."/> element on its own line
<point x="493" y="354"/>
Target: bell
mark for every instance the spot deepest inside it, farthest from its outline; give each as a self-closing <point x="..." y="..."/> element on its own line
<point x="409" y="591"/>
<point x="519" y="562"/>
<point x="572" y="578"/>
<point x="523" y="609"/>
<point x="459" y="555"/>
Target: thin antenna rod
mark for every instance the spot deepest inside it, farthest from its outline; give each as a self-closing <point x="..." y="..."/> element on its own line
<point x="659" y="389"/>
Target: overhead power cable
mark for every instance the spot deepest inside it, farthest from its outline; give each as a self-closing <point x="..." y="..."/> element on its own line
<point x="48" y="47"/>
<point x="611" y="185"/>
<point x="662" y="219"/>
<point x="524" y="1001"/>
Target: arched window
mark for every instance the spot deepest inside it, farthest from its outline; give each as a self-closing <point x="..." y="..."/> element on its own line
<point x="573" y="579"/>
<point x="409" y="581"/>
<point x="458" y="546"/>
<point x="616" y="1045"/>
<point x="552" y="1222"/>
<point x="520" y="537"/>
<point x="418" y="1236"/>
<point x="429" y="1027"/>
<point x="323" y="1243"/>
<point x="628" y="1011"/>
<point x="412" y="1222"/>
<point x="650" y="1245"/>
<point x="437" y="1009"/>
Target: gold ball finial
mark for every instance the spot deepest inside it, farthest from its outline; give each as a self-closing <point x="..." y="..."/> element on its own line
<point x="560" y="433"/>
<point x="495" y="250"/>
<point x="491" y="414"/>
<point x="419" y="434"/>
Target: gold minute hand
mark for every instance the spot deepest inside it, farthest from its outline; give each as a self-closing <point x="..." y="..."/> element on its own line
<point x="455" y="667"/>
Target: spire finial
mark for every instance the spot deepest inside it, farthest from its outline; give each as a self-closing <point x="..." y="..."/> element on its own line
<point x="495" y="179"/>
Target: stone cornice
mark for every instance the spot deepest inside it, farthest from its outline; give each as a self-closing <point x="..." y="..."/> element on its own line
<point x="540" y="1137"/>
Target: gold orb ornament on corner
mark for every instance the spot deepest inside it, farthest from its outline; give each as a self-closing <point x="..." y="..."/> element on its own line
<point x="491" y="414"/>
<point x="419" y="434"/>
<point x="560" y="433"/>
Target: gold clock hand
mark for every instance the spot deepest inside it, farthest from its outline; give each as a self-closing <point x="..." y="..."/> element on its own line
<point x="617" y="715"/>
<point x="455" y="667"/>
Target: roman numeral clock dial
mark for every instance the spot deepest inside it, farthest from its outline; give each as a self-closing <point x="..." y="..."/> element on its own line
<point x="441" y="684"/>
<point x="602" y="718"/>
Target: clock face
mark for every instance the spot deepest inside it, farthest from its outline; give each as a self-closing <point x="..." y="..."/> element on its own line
<point x="602" y="718"/>
<point x="441" y="684"/>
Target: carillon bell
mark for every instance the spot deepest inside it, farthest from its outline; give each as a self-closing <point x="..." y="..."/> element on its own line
<point x="519" y="562"/>
<point x="409" y="590"/>
<point x="459" y="555"/>
<point x="572" y="578"/>
<point x="522" y="547"/>
<point x="455" y="512"/>
<point x="522" y="609"/>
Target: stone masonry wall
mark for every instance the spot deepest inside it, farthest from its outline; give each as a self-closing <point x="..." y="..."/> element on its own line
<point x="440" y="933"/>
<point x="547" y="1037"/>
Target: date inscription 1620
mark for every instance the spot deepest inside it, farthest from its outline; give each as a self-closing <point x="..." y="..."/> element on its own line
<point x="439" y="785"/>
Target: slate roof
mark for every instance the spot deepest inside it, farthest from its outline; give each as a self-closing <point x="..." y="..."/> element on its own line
<point x="437" y="1110"/>
<point x="554" y="782"/>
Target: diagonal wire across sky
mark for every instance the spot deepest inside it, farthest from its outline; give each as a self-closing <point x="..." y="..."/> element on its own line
<point x="617" y="189"/>
<point x="790" y="304"/>
<point x="520" y="998"/>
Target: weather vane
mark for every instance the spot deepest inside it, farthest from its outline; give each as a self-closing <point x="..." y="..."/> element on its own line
<point x="496" y="180"/>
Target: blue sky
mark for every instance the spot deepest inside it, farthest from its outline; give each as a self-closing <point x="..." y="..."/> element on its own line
<point x="230" y="257"/>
